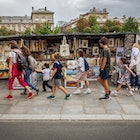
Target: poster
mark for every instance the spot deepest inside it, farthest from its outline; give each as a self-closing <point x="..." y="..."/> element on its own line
<point x="119" y="53"/>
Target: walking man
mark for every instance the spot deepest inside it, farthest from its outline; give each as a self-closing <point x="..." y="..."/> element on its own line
<point x="105" y="67"/>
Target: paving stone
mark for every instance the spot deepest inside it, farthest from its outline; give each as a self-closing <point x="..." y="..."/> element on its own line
<point x="131" y="109"/>
<point x="94" y="110"/>
<point x="4" y="108"/>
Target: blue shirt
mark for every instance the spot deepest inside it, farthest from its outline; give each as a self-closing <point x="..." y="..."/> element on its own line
<point x="58" y="65"/>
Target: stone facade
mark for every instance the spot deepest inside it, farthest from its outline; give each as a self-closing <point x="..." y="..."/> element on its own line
<point x="21" y="23"/>
<point x="102" y="17"/>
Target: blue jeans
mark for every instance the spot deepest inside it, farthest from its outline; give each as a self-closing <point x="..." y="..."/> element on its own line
<point x="27" y="79"/>
<point x="134" y="80"/>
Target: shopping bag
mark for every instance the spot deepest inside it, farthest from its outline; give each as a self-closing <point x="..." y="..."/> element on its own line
<point x="64" y="48"/>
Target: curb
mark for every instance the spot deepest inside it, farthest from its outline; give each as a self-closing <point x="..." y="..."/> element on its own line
<point x="100" y="117"/>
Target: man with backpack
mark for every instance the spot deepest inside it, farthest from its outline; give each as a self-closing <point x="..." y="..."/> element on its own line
<point x="15" y="71"/>
<point x="83" y="68"/>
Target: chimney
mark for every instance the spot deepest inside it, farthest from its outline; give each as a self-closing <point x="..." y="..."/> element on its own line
<point x="45" y="8"/>
<point x="32" y="8"/>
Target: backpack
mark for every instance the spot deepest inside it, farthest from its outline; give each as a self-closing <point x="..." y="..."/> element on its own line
<point x="32" y="63"/>
<point x="22" y="63"/>
<point x="86" y="65"/>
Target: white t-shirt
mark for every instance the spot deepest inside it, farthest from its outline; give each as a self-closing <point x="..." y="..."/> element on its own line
<point x="46" y="74"/>
<point x="81" y="64"/>
<point x="135" y="53"/>
<point x="13" y="55"/>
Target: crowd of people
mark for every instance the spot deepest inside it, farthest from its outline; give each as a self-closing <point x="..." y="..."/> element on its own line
<point x="55" y="75"/>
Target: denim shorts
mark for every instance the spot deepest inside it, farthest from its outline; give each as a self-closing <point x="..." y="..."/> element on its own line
<point x="104" y="74"/>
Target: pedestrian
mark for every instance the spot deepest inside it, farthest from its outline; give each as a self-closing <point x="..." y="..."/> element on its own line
<point x="124" y="77"/>
<point x="46" y="77"/>
<point x="29" y="70"/>
<point x="14" y="72"/>
<point x="56" y="76"/>
<point x="105" y="67"/>
<point x="135" y="58"/>
<point x="82" y="73"/>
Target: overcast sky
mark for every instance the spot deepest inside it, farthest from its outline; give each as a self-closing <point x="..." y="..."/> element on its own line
<point x="70" y="9"/>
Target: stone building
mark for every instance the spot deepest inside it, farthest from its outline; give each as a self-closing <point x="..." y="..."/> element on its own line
<point x="102" y="17"/>
<point x="21" y="23"/>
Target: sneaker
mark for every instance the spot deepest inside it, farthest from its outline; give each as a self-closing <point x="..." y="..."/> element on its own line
<point x="114" y="93"/>
<point x="9" y="97"/>
<point x="78" y="91"/>
<point x="51" y="97"/>
<point x="136" y="89"/>
<point x="132" y="89"/>
<point x="67" y="96"/>
<point x="37" y="91"/>
<point x="130" y="93"/>
<point x="43" y="90"/>
<point x="106" y="97"/>
<point x="30" y="95"/>
<point x="88" y="91"/>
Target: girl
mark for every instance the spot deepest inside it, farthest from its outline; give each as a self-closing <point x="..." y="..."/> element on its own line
<point x="56" y="77"/>
<point x="29" y="70"/>
<point x="14" y="72"/>
<point x="124" y="77"/>
<point x="82" y="74"/>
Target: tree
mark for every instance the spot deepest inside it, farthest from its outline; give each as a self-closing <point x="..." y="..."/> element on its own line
<point x="104" y="29"/>
<point x="82" y="24"/>
<point x="131" y="25"/>
<point x="92" y="21"/>
<point x="28" y="31"/>
<point x="96" y="28"/>
<point x="4" y="31"/>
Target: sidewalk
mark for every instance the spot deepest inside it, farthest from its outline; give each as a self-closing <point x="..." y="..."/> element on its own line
<point x="78" y="107"/>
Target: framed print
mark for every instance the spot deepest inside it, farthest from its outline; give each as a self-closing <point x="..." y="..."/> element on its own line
<point x="95" y="50"/>
<point x="84" y="43"/>
<point x="111" y="42"/>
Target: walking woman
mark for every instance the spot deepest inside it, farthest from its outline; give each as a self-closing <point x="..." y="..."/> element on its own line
<point x="135" y="58"/>
<point x="14" y="72"/>
<point x="29" y="70"/>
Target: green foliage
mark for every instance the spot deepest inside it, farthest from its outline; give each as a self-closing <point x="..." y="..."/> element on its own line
<point x="28" y="31"/>
<point x="87" y="30"/>
<point x="131" y="25"/>
<point x="4" y="31"/>
<point x="92" y="21"/>
<point x="104" y="29"/>
<point x="96" y="28"/>
<point x="56" y="30"/>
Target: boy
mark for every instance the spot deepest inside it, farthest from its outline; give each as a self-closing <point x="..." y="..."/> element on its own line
<point x="57" y="76"/>
<point x="104" y="67"/>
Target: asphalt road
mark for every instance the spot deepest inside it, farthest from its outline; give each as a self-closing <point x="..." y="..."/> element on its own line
<point x="93" y="130"/>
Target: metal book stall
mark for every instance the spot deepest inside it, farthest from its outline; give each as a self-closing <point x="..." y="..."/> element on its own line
<point x="43" y="46"/>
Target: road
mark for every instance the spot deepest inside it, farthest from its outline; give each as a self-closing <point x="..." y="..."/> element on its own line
<point x="87" y="130"/>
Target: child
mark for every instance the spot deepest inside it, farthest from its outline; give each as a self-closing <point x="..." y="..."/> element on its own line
<point x="56" y="77"/>
<point x="124" y="77"/>
<point x="46" y="77"/>
<point x="82" y="74"/>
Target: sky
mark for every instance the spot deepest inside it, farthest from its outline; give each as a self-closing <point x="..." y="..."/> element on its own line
<point x="66" y="10"/>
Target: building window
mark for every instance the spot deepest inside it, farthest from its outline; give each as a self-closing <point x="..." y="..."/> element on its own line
<point x="98" y="19"/>
<point x="50" y="18"/>
<point x="36" y="19"/>
<point x="104" y="19"/>
<point x="43" y="19"/>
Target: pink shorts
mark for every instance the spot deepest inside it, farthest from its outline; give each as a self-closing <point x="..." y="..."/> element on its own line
<point x="81" y="76"/>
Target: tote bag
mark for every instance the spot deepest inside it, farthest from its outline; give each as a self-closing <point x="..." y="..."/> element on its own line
<point x="64" y="48"/>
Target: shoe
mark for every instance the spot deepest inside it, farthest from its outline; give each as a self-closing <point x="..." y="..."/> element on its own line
<point x="114" y="93"/>
<point x="30" y="95"/>
<point x="88" y="91"/>
<point x="67" y="96"/>
<point x="37" y="91"/>
<point x="136" y="89"/>
<point x="51" y="97"/>
<point x="23" y="93"/>
<point x="132" y="89"/>
<point x="109" y="92"/>
<point x="106" y="97"/>
<point x="130" y="93"/>
<point x="9" y="97"/>
<point x="78" y="91"/>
